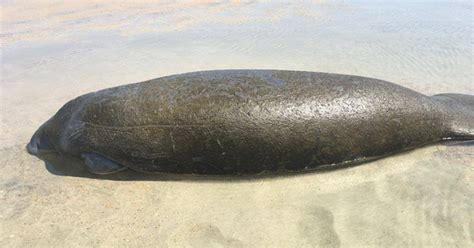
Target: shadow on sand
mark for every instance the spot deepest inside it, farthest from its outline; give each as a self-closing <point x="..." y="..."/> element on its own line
<point x="74" y="167"/>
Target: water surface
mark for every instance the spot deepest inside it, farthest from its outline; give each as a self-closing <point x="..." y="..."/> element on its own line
<point x="52" y="52"/>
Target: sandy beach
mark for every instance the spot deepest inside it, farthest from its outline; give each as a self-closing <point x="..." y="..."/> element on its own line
<point x="53" y="52"/>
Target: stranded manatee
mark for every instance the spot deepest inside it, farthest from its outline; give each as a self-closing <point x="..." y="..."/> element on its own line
<point x="249" y="122"/>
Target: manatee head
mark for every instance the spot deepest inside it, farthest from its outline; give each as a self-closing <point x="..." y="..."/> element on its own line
<point x="41" y="141"/>
<point x="62" y="142"/>
<point x="52" y="144"/>
<point x="56" y="134"/>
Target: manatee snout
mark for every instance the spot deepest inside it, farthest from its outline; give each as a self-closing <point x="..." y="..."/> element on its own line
<point x="57" y="133"/>
<point x="40" y="143"/>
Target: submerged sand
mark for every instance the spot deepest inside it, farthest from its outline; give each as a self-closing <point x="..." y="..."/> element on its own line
<point x="418" y="198"/>
<point x="52" y="53"/>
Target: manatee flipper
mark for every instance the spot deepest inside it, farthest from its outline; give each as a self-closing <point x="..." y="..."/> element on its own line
<point x="101" y="165"/>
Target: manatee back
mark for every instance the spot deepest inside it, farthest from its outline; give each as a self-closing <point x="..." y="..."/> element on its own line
<point x="223" y="122"/>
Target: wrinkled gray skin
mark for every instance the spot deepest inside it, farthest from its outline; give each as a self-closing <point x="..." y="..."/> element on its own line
<point x="249" y="122"/>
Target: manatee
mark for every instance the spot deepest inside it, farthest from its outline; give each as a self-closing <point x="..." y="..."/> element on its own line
<point x="244" y="122"/>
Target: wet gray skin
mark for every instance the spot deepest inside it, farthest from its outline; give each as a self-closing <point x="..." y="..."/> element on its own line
<point x="249" y="122"/>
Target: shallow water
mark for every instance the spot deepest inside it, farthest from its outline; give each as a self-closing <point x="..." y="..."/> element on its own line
<point x="54" y="52"/>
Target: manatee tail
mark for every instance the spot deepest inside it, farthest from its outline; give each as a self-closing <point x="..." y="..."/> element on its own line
<point x="460" y="115"/>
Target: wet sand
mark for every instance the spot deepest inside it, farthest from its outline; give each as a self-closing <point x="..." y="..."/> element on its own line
<point x="53" y="53"/>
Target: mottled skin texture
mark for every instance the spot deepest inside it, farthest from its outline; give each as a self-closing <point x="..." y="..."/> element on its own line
<point x="252" y="121"/>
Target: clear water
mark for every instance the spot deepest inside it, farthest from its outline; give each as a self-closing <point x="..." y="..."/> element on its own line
<point x="425" y="45"/>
